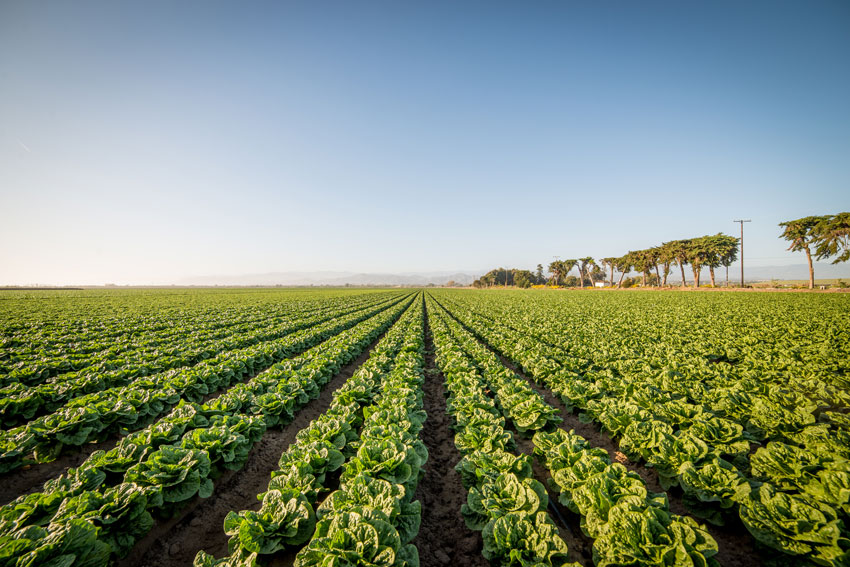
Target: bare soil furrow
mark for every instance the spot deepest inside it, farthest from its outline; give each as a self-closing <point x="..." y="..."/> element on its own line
<point x="443" y="536"/>
<point x="31" y="478"/>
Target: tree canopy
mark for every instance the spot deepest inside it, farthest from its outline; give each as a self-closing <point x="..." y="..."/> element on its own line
<point x="829" y="235"/>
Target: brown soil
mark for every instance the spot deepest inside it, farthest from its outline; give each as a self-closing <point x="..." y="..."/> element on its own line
<point x="443" y="536"/>
<point x="199" y="526"/>
<point x="31" y="478"/>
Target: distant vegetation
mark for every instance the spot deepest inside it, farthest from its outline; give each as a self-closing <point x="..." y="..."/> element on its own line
<point x="827" y="236"/>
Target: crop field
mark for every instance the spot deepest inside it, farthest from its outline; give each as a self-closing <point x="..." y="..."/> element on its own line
<point x="440" y="427"/>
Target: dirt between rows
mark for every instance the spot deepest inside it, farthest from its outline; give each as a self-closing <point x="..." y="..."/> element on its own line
<point x="443" y="536"/>
<point x="199" y="526"/>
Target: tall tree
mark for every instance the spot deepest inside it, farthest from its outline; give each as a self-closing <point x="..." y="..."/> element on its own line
<point x="642" y="260"/>
<point x="597" y="274"/>
<point x="698" y="255"/>
<point x="679" y="251"/>
<point x="723" y="252"/>
<point x="653" y="256"/>
<point x="568" y="265"/>
<point x="666" y="257"/>
<point x="624" y="265"/>
<point x="539" y="275"/>
<point x="521" y="278"/>
<point x="714" y="248"/>
<point x="556" y="269"/>
<point x="609" y="263"/>
<point x="803" y="234"/>
<point x="583" y="267"/>
<point x="833" y="234"/>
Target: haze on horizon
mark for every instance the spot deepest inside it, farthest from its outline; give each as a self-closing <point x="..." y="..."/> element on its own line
<point x="147" y="142"/>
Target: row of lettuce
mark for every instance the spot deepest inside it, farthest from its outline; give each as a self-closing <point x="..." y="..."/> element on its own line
<point x="628" y="525"/>
<point x="776" y="455"/>
<point x="122" y="409"/>
<point x="22" y="401"/>
<point x="37" y="352"/>
<point x="34" y="360"/>
<point x="94" y="514"/>
<point x="370" y="434"/>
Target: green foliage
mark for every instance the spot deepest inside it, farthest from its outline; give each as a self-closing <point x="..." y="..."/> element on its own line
<point x="689" y="384"/>
<point x="523" y="540"/>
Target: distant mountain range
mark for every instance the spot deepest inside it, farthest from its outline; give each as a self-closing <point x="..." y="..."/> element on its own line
<point x="329" y="278"/>
<point x="332" y="279"/>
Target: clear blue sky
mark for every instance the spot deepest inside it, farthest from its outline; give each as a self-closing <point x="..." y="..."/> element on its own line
<point x="141" y="142"/>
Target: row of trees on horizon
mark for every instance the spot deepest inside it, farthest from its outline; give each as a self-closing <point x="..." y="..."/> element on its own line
<point x="824" y="236"/>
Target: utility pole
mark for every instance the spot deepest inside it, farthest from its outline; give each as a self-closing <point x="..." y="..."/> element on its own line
<point x="742" y="247"/>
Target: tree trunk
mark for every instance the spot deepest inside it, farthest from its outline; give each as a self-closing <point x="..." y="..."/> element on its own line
<point x="643" y="278"/>
<point x="620" y="282"/>
<point x="711" y="272"/>
<point x="666" y="273"/>
<point x="697" y="270"/>
<point x="612" y="275"/>
<point x="727" y="276"/>
<point x="657" y="274"/>
<point x="581" y="276"/>
<point x="682" y="267"/>
<point x="811" y="269"/>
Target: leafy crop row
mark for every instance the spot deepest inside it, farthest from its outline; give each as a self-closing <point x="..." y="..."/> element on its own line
<point x="95" y="513"/>
<point x="132" y="407"/>
<point x="46" y="357"/>
<point x="504" y="501"/>
<point x="629" y="526"/>
<point x="791" y="495"/>
<point x="51" y="349"/>
<point x="287" y="518"/>
<point x="372" y="518"/>
<point x="19" y="402"/>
